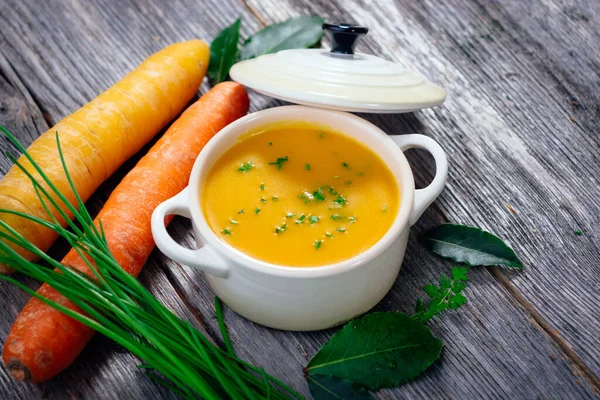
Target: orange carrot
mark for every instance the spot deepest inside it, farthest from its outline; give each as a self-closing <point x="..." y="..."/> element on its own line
<point x="43" y="341"/>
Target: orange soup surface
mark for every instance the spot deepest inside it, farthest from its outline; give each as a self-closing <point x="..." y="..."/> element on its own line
<point x="298" y="194"/>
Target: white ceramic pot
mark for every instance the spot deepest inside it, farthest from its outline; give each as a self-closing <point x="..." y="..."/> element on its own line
<point x="292" y="298"/>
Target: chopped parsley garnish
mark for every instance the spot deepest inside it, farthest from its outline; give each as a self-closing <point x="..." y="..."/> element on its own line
<point x="257" y="211"/>
<point x="348" y="183"/>
<point x="263" y="200"/>
<point x="307" y="197"/>
<point x="345" y="165"/>
<point x="336" y="177"/>
<point x="318" y="194"/>
<point x="262" y="186"/>
<point x="241" y="211"/>
<point x="384" y="209"/>
<point x="301" y="219"/>
<point x="342" y="229"/>
<point x="233" y="221"/>
<point x="226" y="231"/>
<point x="313" y="219"/>
<point x="359" y="173"/>
<point x="279" y="162"/>
<point x="321" y="135"/>
<point x="290" y="215"/>
<point x="275" y="198"/>
<point x="280" y="229"/>
<point x="329" y="235"/>
<point x="336" y="217"/>
<point x="307" y="167"/>
<point x="332" y="191"/>
<point x="318" y="244"/>
<point x="340" y="200"/>
<point x="245" y="167"/>
<point x="352" y="219"/>
<point x="270" y="143"/>
<point x="578" y="232"/>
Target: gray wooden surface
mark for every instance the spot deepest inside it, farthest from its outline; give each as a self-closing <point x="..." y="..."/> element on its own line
<point x="521" y="130"/>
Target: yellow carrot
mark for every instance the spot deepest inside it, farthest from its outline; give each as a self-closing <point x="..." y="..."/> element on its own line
<point x="100" y="136"/>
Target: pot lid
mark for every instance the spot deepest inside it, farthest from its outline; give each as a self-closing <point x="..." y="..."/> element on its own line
<point x="338" y="79"/>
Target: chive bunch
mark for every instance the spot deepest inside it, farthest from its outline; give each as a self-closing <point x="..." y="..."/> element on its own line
<point x="114" y="303"/>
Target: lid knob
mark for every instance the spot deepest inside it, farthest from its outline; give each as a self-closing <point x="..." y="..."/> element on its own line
<point x="344" y="37"/>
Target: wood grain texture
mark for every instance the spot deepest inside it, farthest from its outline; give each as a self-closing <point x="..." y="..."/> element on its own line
<point x="520" y="128"/>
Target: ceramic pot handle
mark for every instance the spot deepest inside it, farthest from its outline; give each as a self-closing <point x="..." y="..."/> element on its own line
<point x="202" y="258"/>
<point x="424" y="197"/>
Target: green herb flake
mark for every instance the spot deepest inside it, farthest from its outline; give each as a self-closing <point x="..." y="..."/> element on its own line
<point x="578" y="232"/>
<point x="321" y="135"/>
<point x="342" y="229"/>
<point x="332" y="191"/>
<point x="313" y="219"/>
<point x="352" y="219"/>
<point x="263" y="200"/>
<point x="341" y="200"/>
<point x="329" y="235"/>
<point x="345" y="165"/>
<point x="226" y="231"/>
<point x="336" y="217"/>
<point x="348" y="183"/>
<point x="262" y="186"/>
<point x="274" y="198"/>
<point x="359" y="173"/>
<point x="336" y="177"/>
<point x="245" y="167"/>
<point x="270" y="143"/>
<point x="233" y="222"/>
<point x="384" y="209"/>
<point x="307" y="167"/>
<point x="306" y="196"/>
<point x="318" y="244"/>
<point x="241" y="211"/>
<point x="300" y="220"/>
<point x="290" y="215"/>
<point x="257" y="210"/>
<point x="318" y="194"/>
<point x="279" y="162"/>
<point x="280" y="229"/>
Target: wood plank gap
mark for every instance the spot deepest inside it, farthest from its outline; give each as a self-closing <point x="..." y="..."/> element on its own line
<point x="255" y="13"/>
<point x="548" y="329"/>
<point x="26" y="90"/>
<point x="197" y="315"/>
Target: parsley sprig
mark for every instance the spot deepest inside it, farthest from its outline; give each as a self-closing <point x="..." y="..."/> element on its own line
<point x="279" y="162"/>
<point x="447" y="296"/>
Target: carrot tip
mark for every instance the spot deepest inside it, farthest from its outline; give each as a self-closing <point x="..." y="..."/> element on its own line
<point x="18" y="371"/>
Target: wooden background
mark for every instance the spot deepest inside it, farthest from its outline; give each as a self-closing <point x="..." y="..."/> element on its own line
<point x="521" y="128"/>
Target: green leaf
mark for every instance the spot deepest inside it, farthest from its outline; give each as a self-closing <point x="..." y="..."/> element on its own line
<point x="469" y="245"/>
<point x="328" y="388"/>
<point x="448" y="295"/>
<point x="379" y="350"/>
<point x="223" y="52"/>
<point x="294" y="33"/>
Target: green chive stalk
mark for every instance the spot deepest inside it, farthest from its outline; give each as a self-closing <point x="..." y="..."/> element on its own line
<point x="175" y="354"/>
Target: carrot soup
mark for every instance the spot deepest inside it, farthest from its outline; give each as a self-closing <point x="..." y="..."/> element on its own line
<point x="299" y="194"/>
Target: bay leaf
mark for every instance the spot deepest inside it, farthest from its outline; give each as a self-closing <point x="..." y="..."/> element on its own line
<point x="294" y="33"/>
<point x="223" y="52"/>
<point x="379" y="350"/>
<point x="327" y="388"/>
<point x="470" y="245"/>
